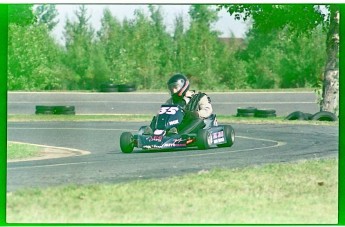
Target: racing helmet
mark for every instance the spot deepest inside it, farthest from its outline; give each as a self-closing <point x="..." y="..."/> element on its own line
<point x="178" y="85"/>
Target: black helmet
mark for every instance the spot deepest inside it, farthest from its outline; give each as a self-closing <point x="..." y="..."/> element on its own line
<point x="178" y="85"/>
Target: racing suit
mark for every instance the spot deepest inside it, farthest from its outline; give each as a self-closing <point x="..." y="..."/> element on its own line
<point x="197" y="106"/>
<point x="201" y="104"/>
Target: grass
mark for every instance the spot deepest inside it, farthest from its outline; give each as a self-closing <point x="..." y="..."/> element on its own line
<point x="305" y="192"/>
<point x="21" y="151"/>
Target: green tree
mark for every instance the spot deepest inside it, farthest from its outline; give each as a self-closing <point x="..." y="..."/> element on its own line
<point x="282" y="58"/>
<point x="34" y="60"/>
<point x="297" y="67"/>
<point x="301" y="18"/>
<point x="204" y="49"/>
<point x="163" y="40"/>
<point x="143" y="50"/>
<point x="21" y="14"/>
<point x="98" y="72"/>
<point x="111" y="41"/>
<point x="79" y="36"/>
<point x="138" y="50"/>
<point x="179" y="45"/>
<point x="46" y="14"/>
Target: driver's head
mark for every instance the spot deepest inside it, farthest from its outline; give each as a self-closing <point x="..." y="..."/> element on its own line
<point x="178" y="85"/>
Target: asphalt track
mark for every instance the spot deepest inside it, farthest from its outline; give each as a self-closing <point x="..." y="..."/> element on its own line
<point x="255" y="145"/>
<point x="148" y="103"/>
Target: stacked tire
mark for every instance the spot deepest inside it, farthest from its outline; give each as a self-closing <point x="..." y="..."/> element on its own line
<point x="58" y="110"/>
<point x="319" y="116"/>
<point x="110" y="87"/>
<point x="246" y="112"/>
<point x="254" y="112"/>
<point x="66" y="110"/>
<point x="127" y="88"/>
<point x="44" y="110"/>
<point x="264" y="113"/>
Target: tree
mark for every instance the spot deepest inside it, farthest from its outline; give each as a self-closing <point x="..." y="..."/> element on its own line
<point x="79" y="37"/>
<point x="21" y="14"/>
<point x="330" y="94"/>
<point x="301" y="18"/>
<point x="138" y="50"/>
<point x="282" y="59"/>
<point x="34" y="60"/>
<point x="110" y="39"/>
<point x="46" y="14"/>
<point x="178" y="42"/>
<point x="203" y="47"/>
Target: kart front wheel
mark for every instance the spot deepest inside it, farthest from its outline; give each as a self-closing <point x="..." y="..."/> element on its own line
<point x="204" y="139"/>
<point x="126" y="142"/>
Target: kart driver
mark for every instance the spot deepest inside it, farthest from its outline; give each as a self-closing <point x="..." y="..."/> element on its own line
<point x="197" y="106"/>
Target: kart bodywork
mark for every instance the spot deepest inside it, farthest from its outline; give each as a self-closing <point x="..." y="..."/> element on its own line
<point x="171" y="130"/>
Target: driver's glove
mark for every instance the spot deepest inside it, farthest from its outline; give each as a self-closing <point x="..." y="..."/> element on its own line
<point x="192" y="114"/>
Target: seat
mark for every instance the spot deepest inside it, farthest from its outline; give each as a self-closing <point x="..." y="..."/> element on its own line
<point x="192" y="126"/>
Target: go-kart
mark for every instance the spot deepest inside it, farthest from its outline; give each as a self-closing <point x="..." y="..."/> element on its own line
<point x="171" y="129"/>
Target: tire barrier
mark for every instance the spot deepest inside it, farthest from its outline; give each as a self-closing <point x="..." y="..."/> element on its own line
<point x="297" y="115"/>
<point x="44" y="110"/>
<point x="254" y="112"/>
<point x="319" y="116"/>
<point x="246" y="112"/>
<point x="263" y="113"/>
<point x="58" y="110"/>
<point x="324" y="116"/>
<point x="127" y="88"/>
<point x="68" y="110"/>
<point x="110" y="87"/>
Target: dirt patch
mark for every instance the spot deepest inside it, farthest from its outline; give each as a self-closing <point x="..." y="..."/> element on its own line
<point x="50" y="152"/>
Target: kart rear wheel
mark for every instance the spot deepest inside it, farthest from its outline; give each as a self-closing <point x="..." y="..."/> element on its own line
<point x="204" y="139"/>
<point x="229" y="134"/>
<point x="126" y="142"/>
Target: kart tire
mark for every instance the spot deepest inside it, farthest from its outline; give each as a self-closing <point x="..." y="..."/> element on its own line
<point x="265" y="115"/>
<point x="109" y="87"/>
<point x="324" y="116"/>
<point x="265" y="111"/>
<point x="44" y="108"/>
<point x="66" y="110"/>
<point x="246" y="110"/>
<point x="126" y="142"/>
<point x="204" y="139"/>
<point x="229" y="134"/>
<point x="127" y="88"/>
<point x="44" y="112"/>
<point x="297" y="115"/>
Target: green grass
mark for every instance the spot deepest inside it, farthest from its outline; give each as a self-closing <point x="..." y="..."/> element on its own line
<point x="22" y="151"/>
<point x="292" y="193"/>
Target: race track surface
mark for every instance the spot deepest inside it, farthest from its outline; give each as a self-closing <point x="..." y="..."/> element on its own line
<point x="254" y="145"/>
<point x="148" y="103"/>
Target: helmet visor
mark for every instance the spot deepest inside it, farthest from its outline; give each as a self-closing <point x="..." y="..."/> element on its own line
<point x="175" y="87"/>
